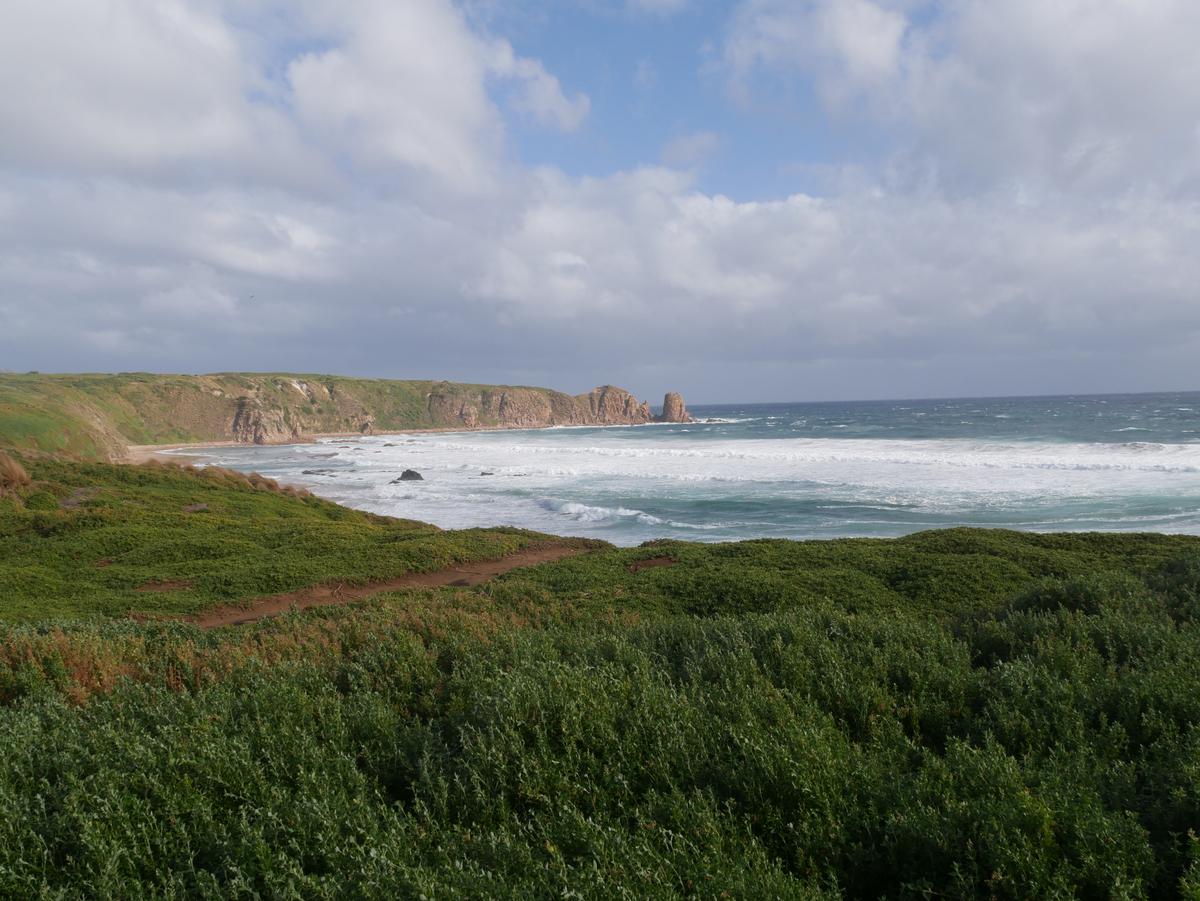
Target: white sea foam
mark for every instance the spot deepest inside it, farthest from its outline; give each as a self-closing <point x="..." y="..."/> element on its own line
<point x="628" y="485"/>
<point x="586" y="513"/>
<point x="778" y="458"/>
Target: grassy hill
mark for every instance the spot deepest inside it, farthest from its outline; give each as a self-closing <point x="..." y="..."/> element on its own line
<point x="95" y="417"/>
<point x="958" y="713"/>
<point x="97" y="540"/>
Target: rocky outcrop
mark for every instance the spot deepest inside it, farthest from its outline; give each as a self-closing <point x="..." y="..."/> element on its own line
<point x="457" y="406"/>
<point x="99" y="416"/>
<point x="674" y="409"/>
<point x="273" y="420"/>
<point x="280" y="418"/>
<point x="256" y="424"/>
<point x="608" y="405"/>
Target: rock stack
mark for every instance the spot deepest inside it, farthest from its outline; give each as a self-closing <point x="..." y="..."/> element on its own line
<point x="673" y="409"/>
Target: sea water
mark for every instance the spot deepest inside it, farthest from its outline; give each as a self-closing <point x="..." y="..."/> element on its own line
<point x="802" y="470"/>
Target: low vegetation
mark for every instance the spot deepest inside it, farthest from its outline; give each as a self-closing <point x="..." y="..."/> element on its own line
<point x="12" y="475"/>
<point x="88" y="540"/>
<point x="955" y="714"/>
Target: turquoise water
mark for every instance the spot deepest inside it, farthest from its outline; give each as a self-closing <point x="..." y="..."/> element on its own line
<point x="1120" y="462"/>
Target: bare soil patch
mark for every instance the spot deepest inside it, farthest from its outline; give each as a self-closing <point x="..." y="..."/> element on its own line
<point x="464" y="575"/>
<point x="78" y="498"/>
<point x="651" y="563"/>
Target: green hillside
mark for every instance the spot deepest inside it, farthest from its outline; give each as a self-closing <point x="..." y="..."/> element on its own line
<point x="88" y="540"/>
<point x="958" y="713"/>
<point x="95" y="417"/>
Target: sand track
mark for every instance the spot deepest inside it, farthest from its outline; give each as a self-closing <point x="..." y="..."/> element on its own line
<point x="462" y="575"/>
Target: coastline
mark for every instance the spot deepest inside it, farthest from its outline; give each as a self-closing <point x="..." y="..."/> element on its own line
<point x="144" y="453"/>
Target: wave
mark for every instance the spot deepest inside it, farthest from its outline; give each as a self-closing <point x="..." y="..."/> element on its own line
<point x="598" y="515"/>
<point x="956" y="453"/>
<point x="731" y="482"/>
<point x="587" y="513"/>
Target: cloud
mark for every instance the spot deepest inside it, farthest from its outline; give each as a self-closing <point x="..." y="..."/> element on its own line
<point x="1081" y="94"/>
<point x="691" y="149"/>
<point x="540" y="93"/>
<point x="852" y="44"/>
<point x="325" y="186"/>
<point x="866" y="277"/>
<point x="402" y="88"/>
<point x="147" y="90"/>
<point x="407" y="86"/>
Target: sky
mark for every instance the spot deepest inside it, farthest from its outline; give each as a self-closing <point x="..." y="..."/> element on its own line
<point x="752" y="200"/>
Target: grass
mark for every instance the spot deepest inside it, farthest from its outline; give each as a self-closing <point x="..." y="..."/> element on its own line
<point x="96" y="540"/>
<point x="95" y="416"/>
<point x="12" y="475"/>
<point x="956" y="714"/>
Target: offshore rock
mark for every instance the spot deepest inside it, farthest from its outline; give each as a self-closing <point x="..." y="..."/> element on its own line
<point x="674" y="409"/>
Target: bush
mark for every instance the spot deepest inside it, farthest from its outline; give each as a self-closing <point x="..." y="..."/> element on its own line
<point x="12" y="475"/>
<point x="1178" y="581"/>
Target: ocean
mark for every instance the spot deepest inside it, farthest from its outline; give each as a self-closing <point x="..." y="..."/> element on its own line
<point x="802" y="470"/>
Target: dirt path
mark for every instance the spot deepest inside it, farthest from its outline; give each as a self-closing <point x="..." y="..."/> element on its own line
<point x="325" y="595"/>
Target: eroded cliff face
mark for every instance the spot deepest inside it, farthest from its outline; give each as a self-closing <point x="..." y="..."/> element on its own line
<point x="288" y="410"/>
<point x="609" y="405"/>
<point x="458" y="406"/>
<point x="253" y="424"/>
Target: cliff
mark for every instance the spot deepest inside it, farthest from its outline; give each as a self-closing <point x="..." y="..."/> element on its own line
<point x="99" y="416"/>
<point x="674" y="409"/>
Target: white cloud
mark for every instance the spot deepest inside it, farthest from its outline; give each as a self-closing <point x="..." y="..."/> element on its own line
<point x="1079" y="94"/>
<point x="359" y="202"/>
<point x="691" y="149"/>
<point x="540" y="94"/>
<point x="853" y="44"/>
<point x="146" y="90"/>
<point x="404" y="87"/>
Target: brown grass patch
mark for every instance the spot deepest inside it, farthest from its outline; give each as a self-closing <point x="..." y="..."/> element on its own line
<point x="229" y="478"/>
<point x="651" y="563"/>
<point x="12" y="474"/>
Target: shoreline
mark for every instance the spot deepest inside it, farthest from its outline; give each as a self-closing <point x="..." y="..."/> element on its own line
<point x="143" y="453"/>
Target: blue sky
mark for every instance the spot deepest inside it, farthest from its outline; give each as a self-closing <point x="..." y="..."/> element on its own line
<point x="748" y="200"/>
<point x="656" y="83"/>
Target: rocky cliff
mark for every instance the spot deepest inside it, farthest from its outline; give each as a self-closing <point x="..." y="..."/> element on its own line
<point x="674" y="409"/>
<point x="462" y="406"/>
<point x="97" y="416"/>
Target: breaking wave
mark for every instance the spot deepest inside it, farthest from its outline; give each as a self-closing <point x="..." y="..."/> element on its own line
<point x="787" y="471"/>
